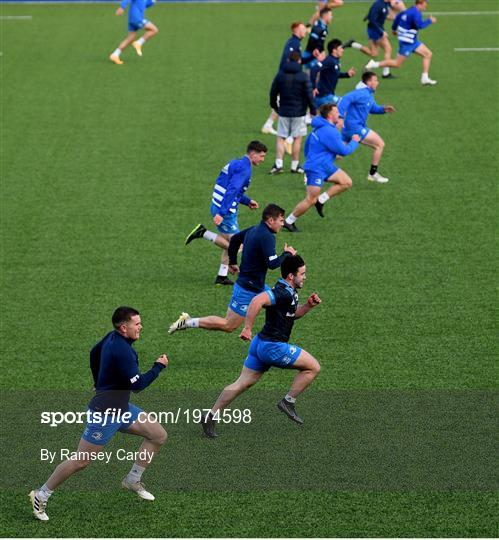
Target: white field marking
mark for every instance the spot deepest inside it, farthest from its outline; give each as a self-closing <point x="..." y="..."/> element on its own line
<point x="484" y="49"/>
<point x="16" y="17"/>
<point x="463" y="13"/>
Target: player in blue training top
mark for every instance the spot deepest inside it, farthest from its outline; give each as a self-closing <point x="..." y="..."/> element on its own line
<point x="355" y="108"/>
<point x="259" y="255"/>
<point x="230" y="187"/>
<point x="406" y="26"/>
<point x="136" y="22"/>
<point x="322" y="147"/>
<point x="271" y="347"/>
<point x="298" y="32"/>
<point x="116" y="373"/>
<point x="329" y="73"/>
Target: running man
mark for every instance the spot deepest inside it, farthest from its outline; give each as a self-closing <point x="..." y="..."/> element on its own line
<point x="259" y="255"/>
<point x="406" y="26"/>
<point x="355" y="107"/>
<point x="230" y="187"/>
<point x="115" y="369"/>
<point x="322" y="147"/>
<point x="314" y="51"/>
<point x="271" y="346"/>
<point x="332" y="4"/>
<point x="136" y="21"/>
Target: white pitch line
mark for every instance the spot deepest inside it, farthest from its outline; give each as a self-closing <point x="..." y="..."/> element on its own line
<point x="484" y="49"/>
<point x="463" y="13"/>
<point x="15" y="17"/>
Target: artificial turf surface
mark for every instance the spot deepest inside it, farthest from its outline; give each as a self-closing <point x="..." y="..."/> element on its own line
<point x="104" y="171"/>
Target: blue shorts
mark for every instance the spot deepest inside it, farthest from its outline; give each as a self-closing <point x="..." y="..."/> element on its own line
<point x="406" y="49"/>
<point x="374" y="34"/>
<point x="262" y="355"/>
<point x="229" y="225"/>
<point x="96" y="433"/>
<point x="330" y="98"/>
<point x="136" y="24"/>
<point x="361" y="131"/>
<point x="317" y="178"/>
<point x="241" y="299"/>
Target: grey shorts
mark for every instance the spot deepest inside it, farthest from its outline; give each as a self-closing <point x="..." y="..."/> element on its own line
<point x="291" y="127"/>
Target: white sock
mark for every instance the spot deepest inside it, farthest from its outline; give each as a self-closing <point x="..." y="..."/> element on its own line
<point x="268" y="123"/>
<point x="356" y="45"/>
<point x="289" y="140"/>
<point x="192" y="323"/>
<point x="294" y="164"/>
<point x="211" y="236"/>
<point x="291" y="219"/>
<point x="223" y="270"/>
<point x="279" y="163"/>
<point x="44" y="493"/>
<point x="117" y="52"/>
<point x="424" y="76"/>
<point x="287" y="397"/>
<point x="135" y="474"/>
<point x="323" y="197"/>
<point x="386" y="71"/>
<point x="141" y="41"/>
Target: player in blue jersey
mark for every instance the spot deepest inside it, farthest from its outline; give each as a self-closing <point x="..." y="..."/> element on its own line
<point x="258" y="256"/>
<point x="136" y="22"/>
<point x="322" y="147"/>
<point x="355" y="107"/>
<point x="406" y="26"/>
<point x="228" y="192"/>
<point x="329" y="73"/>
<point x="115" y="369"/>
<point x="271" y="347"/>
<point x="298" y="32"/>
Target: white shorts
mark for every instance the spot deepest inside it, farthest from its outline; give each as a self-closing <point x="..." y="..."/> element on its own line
<point x="291" y="127"/>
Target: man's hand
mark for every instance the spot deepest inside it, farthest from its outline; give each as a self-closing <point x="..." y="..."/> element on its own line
<point x="253" y="205"/>
<point x="245" y="335"/>
<point x="289" y="249"/>
<point x="389" y="108"/>
<point x="313" y="300"/>
<point x="351" y="72"/>
<point x="119" y="11"/>
<point x="356" y="138"/>
<point x="315" y="91"/>
<point x="433" y="19"/>
<point x="217" y="219"/>
<point x="163" y="359"/>
<point x="233" y="268"/>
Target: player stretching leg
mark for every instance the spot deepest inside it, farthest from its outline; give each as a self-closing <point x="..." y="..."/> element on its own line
<point x="270" y="347"/>
<point x="115" y="369"/>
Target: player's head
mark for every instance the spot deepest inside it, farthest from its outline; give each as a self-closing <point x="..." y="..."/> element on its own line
<point x="126" y="320"/>
<point x="294" y="56"/>
<point x="330" y="112"/>
<point x="326" y="14"/>
<point x="293" y="270"/>
<point x="421" y="4"/>
<point x="273" y="216"/>
<point x="335" y="47"/>
<point x="256" y="151"/>
<point x="370" y="79"/>
<point x="298" y="29"/>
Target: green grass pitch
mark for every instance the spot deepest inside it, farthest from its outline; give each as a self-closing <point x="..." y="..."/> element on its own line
<point x="105" y="169"/>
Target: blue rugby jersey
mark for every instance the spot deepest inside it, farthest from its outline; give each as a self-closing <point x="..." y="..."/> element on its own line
<point x="137" y="8"/>
<point x="356" y="106"/>
<point x="377" y="15"/>
<point x="407" y="24"/>
<point x="293" y="44"/>
<point x="233" y="180"/>
<point x="329" y="74"/>
<point x="280" y="315"/>
<point x="316" y="40"/>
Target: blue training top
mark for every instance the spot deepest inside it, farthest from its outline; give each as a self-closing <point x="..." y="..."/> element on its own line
<point x="115" y="369"/>
<point x="377" y="15"/>
<point x="293" y="44"/>
<point x="329" y="74"/>
<point x="280" y="315"/>
<point x="407" y="24"/>
<point x="137" y="8"/>
<point x="233" y="180"/>
<point x="357" y="105"/>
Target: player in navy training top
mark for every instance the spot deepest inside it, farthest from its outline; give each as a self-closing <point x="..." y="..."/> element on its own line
<point x="136" y="22"/>
<point x="271" y="347"/>
<point x="314" y="51"/>
<point x="259" y="255"/>
<point x="230" y="191"/>
<point x="321" y="4"/>
<point x="406" y="26"/>
<point x="116" y="373"/>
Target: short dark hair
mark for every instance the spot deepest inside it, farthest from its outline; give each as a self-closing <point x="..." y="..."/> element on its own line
<point x="325" y="109"/>
<point x="272" y="211"/>
<point x="294" y="56"/>
<point x="295" y="25"/>
<point x="256" y="146"/>
<point x="122" y="315"/>
<point x="324" y="10"/>
<point x="367" y="76"/>
<point x="333" y="44"/>
<point x="290" y="265"/>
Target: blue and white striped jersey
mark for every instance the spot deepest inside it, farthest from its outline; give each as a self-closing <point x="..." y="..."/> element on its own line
<point x="407" y="24"/>
<point x="230" y="186"/>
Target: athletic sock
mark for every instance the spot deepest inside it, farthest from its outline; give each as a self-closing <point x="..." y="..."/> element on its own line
<point x="117" y="52"/>
<point x="211" y="236"/>
<point x="289" y="398"/>
<point x="44" y="493"/>
<point x="294" y="165"/>
<point x="289" y="140"/>
<point x="424" y="76"/>
<point x="356" y="45"/>
<point x="291" y="219"/>
<point x="279" y="163"/>
<point x="141" y="41"/>
<point x="135" y="474"/>
<point x="192" y="323"/>
<point x="386" y="71"/>
<point x="223" y="270"/>
<point x="373" y="170"/>
<point x="268" y="123"/>
<point x="323" y="197"/>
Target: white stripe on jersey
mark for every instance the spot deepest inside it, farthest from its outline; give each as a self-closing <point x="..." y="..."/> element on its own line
<point x="215" y="203"/>
<point x="217" y="196"/>
<point x="219" y="189"/>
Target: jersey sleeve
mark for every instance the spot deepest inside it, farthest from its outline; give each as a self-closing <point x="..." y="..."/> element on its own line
<point x="128" y="365"/>
<point x="420" y="23"/>
<point x="336" y="145"/>
<point x="235" y="243"/>
<point x="376" y="109"/>
<point x="282" y="297"/>
<point x="236" y="183"/>
<point x="124" y="4"/>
